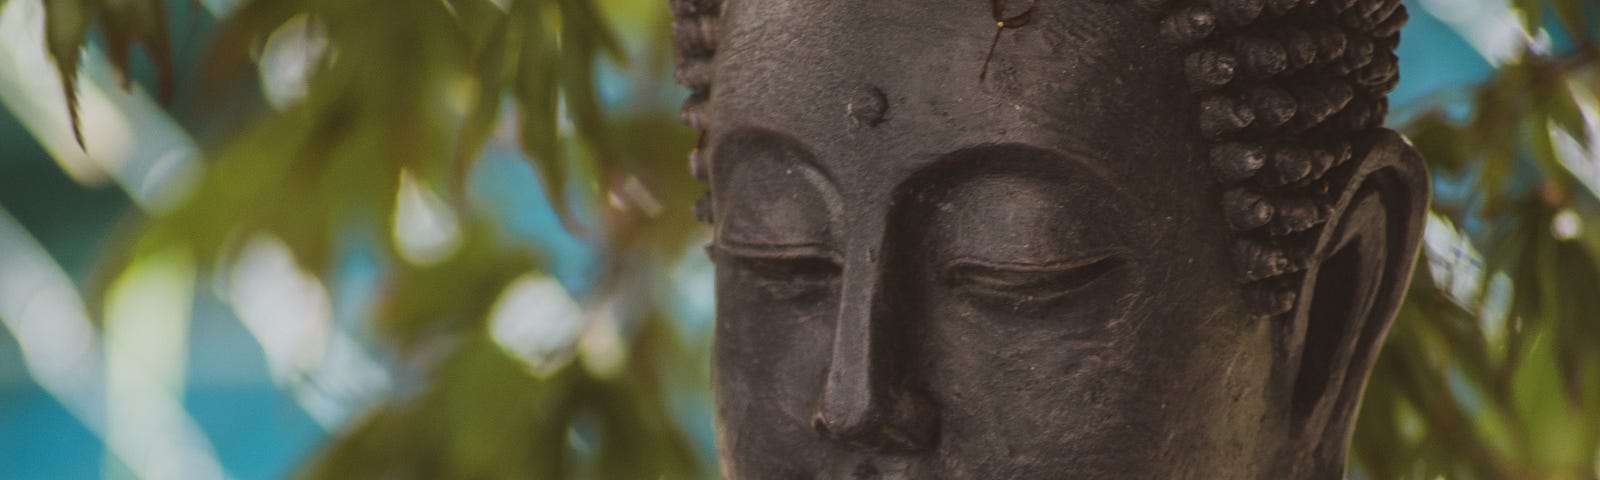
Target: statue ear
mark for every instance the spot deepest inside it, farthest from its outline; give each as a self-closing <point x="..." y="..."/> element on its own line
<point x="1353" y="289"/>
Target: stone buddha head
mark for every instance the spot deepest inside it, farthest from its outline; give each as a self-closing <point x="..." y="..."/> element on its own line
<point x="1058" y="239"/>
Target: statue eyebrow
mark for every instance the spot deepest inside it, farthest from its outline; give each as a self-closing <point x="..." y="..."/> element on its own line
<point x="774" y="251"/>
<point x="1100" y="171"/>
<point x="766" y="138"/>
<point x="964" y="158"/>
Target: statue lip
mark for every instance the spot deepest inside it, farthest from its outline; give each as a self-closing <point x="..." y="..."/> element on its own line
<point x="868" y="467"/>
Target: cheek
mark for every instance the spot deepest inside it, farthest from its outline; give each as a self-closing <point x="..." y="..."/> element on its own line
<point x="1069" y="366"/>
<point x="770" y="359"/>
<point x="1214" y="366"/>
<point x="1128" y="373"/>
<point x="1231" y="419"/>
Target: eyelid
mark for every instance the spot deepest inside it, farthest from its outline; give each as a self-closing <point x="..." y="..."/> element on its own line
<point x="785" y="272"/>
<point x="1033" y="283"/>
<point x="1053" y="266"/>
<point x="806" y="251"/>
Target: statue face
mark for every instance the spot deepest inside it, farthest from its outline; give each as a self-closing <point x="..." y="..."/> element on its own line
<point x="925" y="274"/>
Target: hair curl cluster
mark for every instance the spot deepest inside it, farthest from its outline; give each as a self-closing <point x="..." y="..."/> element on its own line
<point x="1282" y="88"/>
<point x="694" y="30"/>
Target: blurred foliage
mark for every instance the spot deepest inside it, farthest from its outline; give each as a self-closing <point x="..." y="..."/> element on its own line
<point x="1480" y="378"/>
<point x="419" y="87"/>
<point x="1492" y="369"/>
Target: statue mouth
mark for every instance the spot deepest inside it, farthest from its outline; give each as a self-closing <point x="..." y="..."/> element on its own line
<point x="869" y="468"/>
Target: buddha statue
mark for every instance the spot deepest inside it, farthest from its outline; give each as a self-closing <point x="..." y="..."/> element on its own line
<point x="1060" y="239"/>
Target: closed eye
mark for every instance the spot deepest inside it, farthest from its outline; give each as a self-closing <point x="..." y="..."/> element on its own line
<point x="1029" y="282"/>
<point x="786" y="271"/>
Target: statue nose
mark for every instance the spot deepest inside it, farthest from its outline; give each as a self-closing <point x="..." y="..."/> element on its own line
<point x="906" y="424"/>
<point x="867" y="401"/>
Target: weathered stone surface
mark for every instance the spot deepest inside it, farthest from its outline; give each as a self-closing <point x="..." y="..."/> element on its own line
<point x="1057" y="239"/>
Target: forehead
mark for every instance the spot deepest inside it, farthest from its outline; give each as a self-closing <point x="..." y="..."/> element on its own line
<point x="1088" y="78"/>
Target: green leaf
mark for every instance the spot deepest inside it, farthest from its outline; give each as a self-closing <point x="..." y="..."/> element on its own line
<point x="493" y="67"/>
<point x="1542" y="149"/>
<point x="1495" y="130"/>
<point x="1577" y="18"/>
<point x="582" y="39"/>
<point x="453" y="297"/>
<point x="584" y="20"/>
<point x="1542" y="408"/>
<point x="238" y="39"/>
<point x="128" y="24"/>
<point x="1439" y="141"/>
<point x="1532" y="13"/>
<point x="1577" y="275"/>
<point x="1561" y="105"/>
<point x="66" y="27"/>
<point x="537" y="90"/>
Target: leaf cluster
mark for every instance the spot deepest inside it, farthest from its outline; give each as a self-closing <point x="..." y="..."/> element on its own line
<point x="420" y="88"/>
<point x="1491" y="369"/>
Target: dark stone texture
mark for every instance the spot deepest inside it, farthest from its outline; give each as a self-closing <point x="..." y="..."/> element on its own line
<point x="1057" y="239"/>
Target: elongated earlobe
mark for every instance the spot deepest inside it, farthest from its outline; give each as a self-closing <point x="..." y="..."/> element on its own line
<point x="1352" y="290"/>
